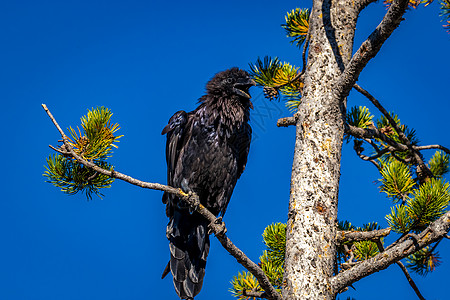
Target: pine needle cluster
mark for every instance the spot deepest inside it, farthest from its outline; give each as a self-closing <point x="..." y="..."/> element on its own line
<point x="93" y="142"/>
<point x="297" y="24"/>
<point x="350" y="252"/>
<point x="271" y="262"/>
<point x="278" y="79"/>
<point x="281" y="80"/>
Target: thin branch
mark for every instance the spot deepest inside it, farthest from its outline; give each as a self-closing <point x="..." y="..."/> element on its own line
<point x="254" y="294"/>
<point x="400" y="133"/>
<point x="405" y="271"/>
<point x="356" y="236"/>
<point x="388" y="116"/>
<point x="446" y="150"/>
<point x="434" y="232"/>
<point x="410" y="280"/>
<point x="286" y="122"/>
<point x="370" y="47"/>
<point x="373" y="132"/>
<point x="192" y="199"/>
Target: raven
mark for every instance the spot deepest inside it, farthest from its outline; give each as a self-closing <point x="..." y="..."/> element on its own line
<point x="206" y="153"/>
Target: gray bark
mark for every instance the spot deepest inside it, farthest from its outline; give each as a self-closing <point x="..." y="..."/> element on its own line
<point x="311" y="226"/>
<point x="330" y="74"/>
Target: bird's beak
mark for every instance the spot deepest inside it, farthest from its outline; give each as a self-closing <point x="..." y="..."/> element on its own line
<point x="241" y="87"/>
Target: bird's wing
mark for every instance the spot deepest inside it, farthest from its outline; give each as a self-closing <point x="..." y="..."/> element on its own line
<point x="176" y="134"/>
<point x="244" y="147"/>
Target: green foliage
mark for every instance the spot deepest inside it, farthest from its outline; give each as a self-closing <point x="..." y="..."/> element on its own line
<point x="359" y="117"/>
<point x="72" y="177"/>
<point x="273" y="268"/>
<point x="98" y="134"/>
<point x="365" y="250"/>
<point x="94" y="143"/>
<point x="423" y="261"/>
<point x="399" y="220"/>
<point x="274" y="237"/>
<point x="428" y="202"/>
<point x="439" y="164"/>
<point x="264" y="71"/>
<point x="425" y="205"/>
<point x="271" y="262"/>
<point x="384" y="125"/>
<point x="297" y="24"/>
<point x="346" y="225"/>
<point x="278" y="79"/>
<point x="396" y="181"/>
<point x="244" y="281"/>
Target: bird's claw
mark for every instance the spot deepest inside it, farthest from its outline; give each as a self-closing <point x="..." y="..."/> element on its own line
<point x="218" y="227"/>
<point x="193" y="200"/>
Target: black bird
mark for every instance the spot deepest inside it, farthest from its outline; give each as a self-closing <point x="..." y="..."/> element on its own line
<point x="206" y="153"/>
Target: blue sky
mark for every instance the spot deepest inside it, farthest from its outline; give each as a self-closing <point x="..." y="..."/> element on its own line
<point x="145" y="60"/>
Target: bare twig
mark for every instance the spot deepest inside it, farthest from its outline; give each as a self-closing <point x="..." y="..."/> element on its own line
<point x="192" y="199"/>
<point x="446" y="150"/>
<point x="286" y="122"/>
<point x="423" y="167"/>
<point x="373" y="132"/>
<point x="254" y="294"/>
<point x="356" y="236"/>
<point x="405" y="271"/>
<point x="410" y="280"/>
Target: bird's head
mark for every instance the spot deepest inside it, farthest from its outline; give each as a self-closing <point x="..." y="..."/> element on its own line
<point x="233" y="83"/>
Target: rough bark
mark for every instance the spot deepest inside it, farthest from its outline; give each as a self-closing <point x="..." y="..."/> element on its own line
<point x="311" y="227"/>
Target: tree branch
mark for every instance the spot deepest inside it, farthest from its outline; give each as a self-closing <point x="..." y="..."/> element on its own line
<point x="446" y="150"/>
<point x="405" y="271"/>
<point x="254" y="294"/>
<point x="432" y="233"/>
<point x="410" y="280"/>
<point x="288" y="121"/>
<point x="373" y="132"/>
<point x="192" y="199"/>
<point x="356" y="236"/>
<point x="423" y="167"/>
<point x="370" y="47"/>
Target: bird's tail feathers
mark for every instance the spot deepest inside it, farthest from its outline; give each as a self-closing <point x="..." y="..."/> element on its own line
<point x="189" y="248"/>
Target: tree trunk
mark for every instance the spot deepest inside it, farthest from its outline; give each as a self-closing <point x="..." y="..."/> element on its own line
<point x="311" y="227"/>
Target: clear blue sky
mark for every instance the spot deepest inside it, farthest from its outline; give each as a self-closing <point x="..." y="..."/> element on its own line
<point x="145" y="60"/>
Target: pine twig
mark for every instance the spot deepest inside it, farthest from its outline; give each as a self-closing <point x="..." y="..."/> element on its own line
<point x="405" y="271"/>
<point x="357" y="236"/>
<point x="217" y="227"/>
<point x="397" y="129"/>
<point x="446" y="150"/>
<point x="288" y="121"/>
<point x="254" y="294"/>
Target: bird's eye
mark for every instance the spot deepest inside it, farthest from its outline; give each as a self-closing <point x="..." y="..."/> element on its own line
<point x="230" y="80"/>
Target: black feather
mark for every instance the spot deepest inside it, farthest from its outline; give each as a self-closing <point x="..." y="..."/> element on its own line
<point x="206" y="153"/>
